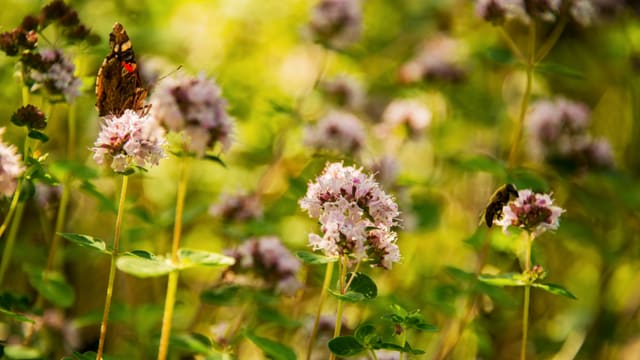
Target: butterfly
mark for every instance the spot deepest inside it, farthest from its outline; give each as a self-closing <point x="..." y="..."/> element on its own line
<point x="118" y="85"/>
<point x="498" y="200"/>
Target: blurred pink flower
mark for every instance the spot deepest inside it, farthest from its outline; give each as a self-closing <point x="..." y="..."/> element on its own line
<point x="11" y="168"/>
<point x="340" y="131"/>
<point x="336" y="23"/>
<point x="268" y="258"/>
<point x="195" y="107"/>
<point x="411" y="114"/>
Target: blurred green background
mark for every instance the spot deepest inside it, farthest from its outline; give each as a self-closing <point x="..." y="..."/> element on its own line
<point x="262" y="56"/>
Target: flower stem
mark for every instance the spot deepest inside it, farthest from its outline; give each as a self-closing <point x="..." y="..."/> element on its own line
<point x="403" y="342"/>
<point x="12" y="208"/>
<point x="172" y="283"/>
<point x="374" y="356"/>
<point x="66" y="193"/>
<point x="527" y="295"/>
<point x="112" y="269"/>
<point x="323" y="296"/>
<point x="343" y="289"/>
<point x="517" y="134"/>
<point x="525" y="322"/>
<point x="17" y="218"/>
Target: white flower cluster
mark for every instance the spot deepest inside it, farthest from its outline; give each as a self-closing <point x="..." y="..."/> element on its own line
<point x="531" y="211"/>
<point x="129" y="140"/>
<point x="11" y="167"/>
<point x="355" y="214"/>
<point x="193" y="105"/>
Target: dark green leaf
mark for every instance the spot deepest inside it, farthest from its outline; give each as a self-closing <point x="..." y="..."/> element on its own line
<point x="366" y="334"/>
<point x="364" y="285"/>
<point x="272" y="349"/>
<point x="508" y="279"/>
<point x="225" y="295"/>
<point x="559" y="69"/>
<point x="15" y="316"/>
<point x="310" y="258"/>
<point x="215" y="159"/>
<point x="345" y="346"/>
<point x="87" y="241"/>
<point x="52" y="287"/>
<point x="35" y="134"/>
<point x="555" y="289"/>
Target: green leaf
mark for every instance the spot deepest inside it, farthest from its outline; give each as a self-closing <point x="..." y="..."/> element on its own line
<point x="52" y="287"/>
<point x="366" y="334"/>
<point x="190" y="258"/>
<point x="215" y="159"/>
<point x="144" y="266"/>
<point x="350" y="296"/>
<point x="559" y="69"/>
<point x="363" y="284"/>
<point x="272" y="349"/>
<point x="87" y="241"/>
<point x="273" y="316"/>
<point x="76" y="169"/>
<point x="390" y="346"/>
<point x="345" y="346"/>
<point x="89" y="355"/>
<point x="310" y="258"/>
<point x="508" y="279"/>
<point x="22" y="352"/>
<point x="399" y="311"/>
<point x="15" y="316"/>
<point x="425" y="327"/>
<point x="35" y="134"/>
<point x="555" y="290"/>
<point x="225" y="295"/>
<point x="195" y="343"/>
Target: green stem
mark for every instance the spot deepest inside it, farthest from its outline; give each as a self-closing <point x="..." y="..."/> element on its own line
<point x="527" y="295"/>
<point x="551" y="40"/>
<point x="323" y="296"/>
<point x="17" y="219"/>
<point x="66" y="193"/>
<point x="343" y="289"/>
<point x="172" y="284"/>
<point x="512" y="45"/>
<point x="112" y="269"/>
<point x="11" y="240"/>
<point x="374" y="356"/>
<point x="517" y="134"/>
<point x="12" y="208"/>
<point x="403" y="342"/>
<point x="525" y="322"/>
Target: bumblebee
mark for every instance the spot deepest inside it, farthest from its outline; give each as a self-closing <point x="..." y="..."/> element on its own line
<point x="498" y="200"/>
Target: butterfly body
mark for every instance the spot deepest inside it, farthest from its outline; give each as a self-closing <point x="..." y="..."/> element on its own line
<point x="498" y="200"/>
<point x="119" y="86"/>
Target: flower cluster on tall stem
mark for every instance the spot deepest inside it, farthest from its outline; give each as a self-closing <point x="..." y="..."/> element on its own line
<point x="357" y="221"/>
<point x="11" y="168"/>
<point x="356" y="216"/>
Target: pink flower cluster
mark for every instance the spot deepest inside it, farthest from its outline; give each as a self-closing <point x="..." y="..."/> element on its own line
<point x="268" y="258"/>
<point x="11" y="167"/>
<point x="356" y="216"/>
<point x="336" y="23"/>
<point x="339" y="131"/>
<point x="533" y="212"/>
<point x="129" y="140"/>
<point x="194" y="106"/>
<point x="407" y="113"/>
<point x="56" y="74"/>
